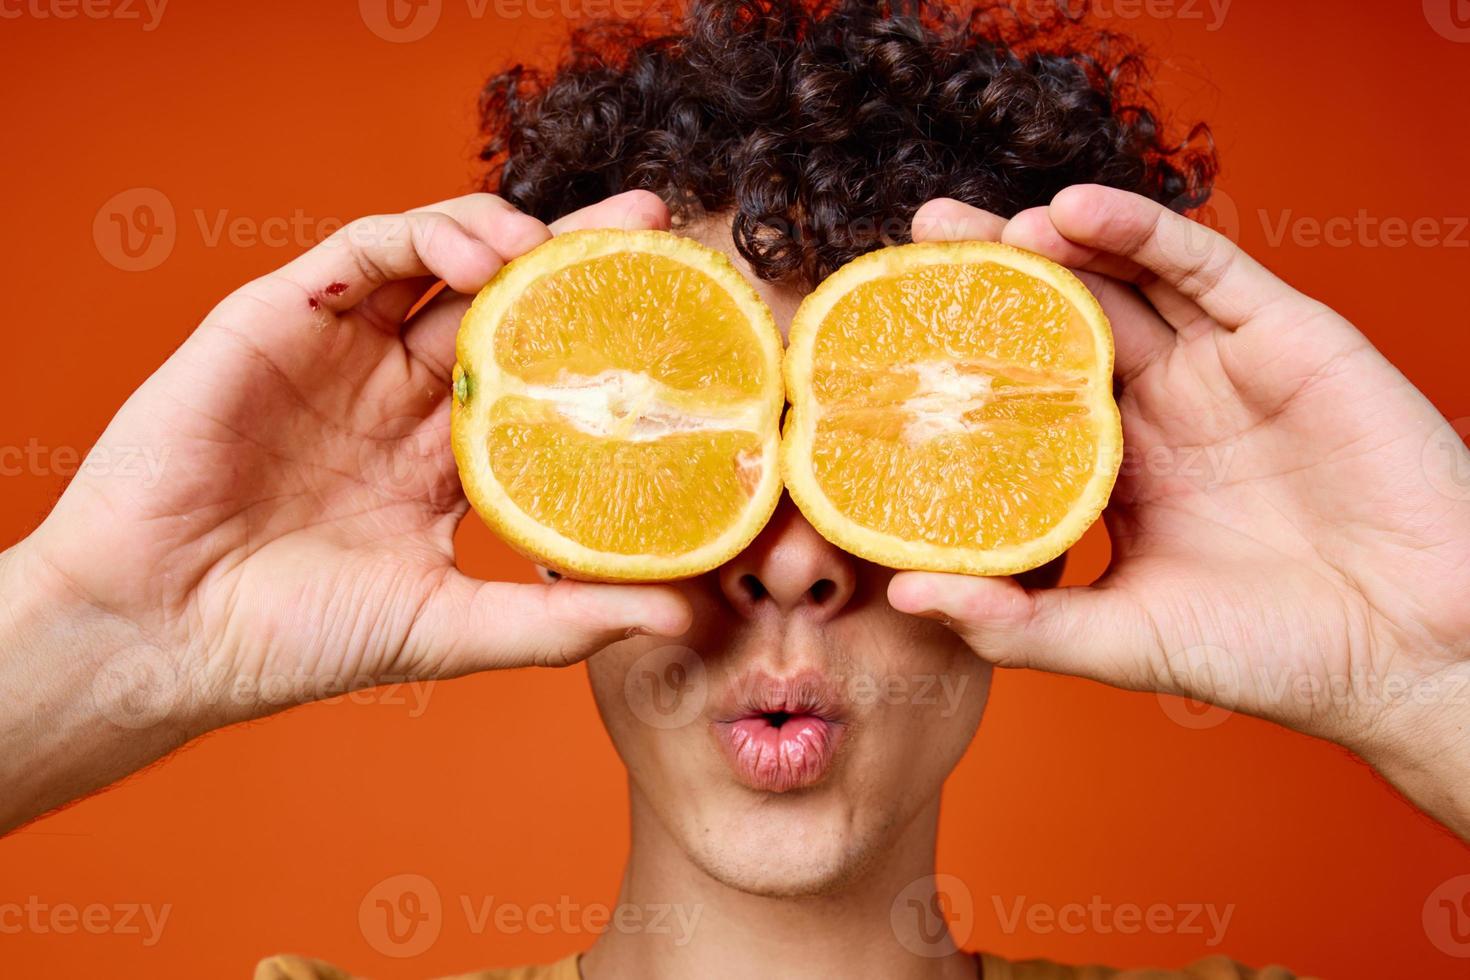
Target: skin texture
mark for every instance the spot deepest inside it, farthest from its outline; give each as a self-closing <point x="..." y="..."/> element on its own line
<point x="303" y="538"/>
<point x="818" y="866"/>
<point x="305" y="533"/>
<point x="905" y="685"/>
<point x="1318" y="578"/>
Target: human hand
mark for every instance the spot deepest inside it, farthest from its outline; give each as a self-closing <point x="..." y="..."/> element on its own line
<point x="300" y="534"/>
<point x="1287" y="539"/>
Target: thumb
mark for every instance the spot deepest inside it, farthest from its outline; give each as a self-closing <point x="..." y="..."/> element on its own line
<point x="1091" y="632"/>
<point x="467" y="625"/>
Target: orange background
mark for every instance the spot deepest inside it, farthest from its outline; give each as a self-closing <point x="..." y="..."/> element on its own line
<point x="267" y="837"/>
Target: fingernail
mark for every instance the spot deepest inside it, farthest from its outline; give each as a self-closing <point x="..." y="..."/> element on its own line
<point x="644" y="210"/>
<point x="937" y="616"/>
<point x="519" y="233"/>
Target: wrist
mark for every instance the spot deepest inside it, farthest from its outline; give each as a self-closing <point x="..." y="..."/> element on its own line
<point x="86" y="698"/>
<point x="1422" y="747"/>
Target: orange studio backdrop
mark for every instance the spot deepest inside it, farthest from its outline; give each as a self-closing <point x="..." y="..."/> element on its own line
<point x="158" y="154"/>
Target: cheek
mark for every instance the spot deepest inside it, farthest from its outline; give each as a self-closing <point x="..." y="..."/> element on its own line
<point x="650" y="683"/>
<point x="610" y="672"/>
<point x="927" y="696"/>
<point x="939" y="712"/>
<point x="652" y="697"/>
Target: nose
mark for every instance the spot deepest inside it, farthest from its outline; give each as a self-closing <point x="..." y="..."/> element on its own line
<point x="790" y="567"/>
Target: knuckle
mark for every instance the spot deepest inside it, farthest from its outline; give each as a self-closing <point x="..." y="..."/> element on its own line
<point x="361" y="229"/>
<point x="377" y="246"/>
<point x="256" y="299"/>
<point x="561" y="605"/>
<point x="421" y="228"/>
<point x="1209" y="270"/>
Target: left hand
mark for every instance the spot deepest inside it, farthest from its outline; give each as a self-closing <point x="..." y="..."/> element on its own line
<point x="1287" y="535"/>
<point x="296" y="536"/>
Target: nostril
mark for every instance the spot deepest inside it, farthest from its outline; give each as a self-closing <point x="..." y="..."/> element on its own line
<point x="822" y="590"/>
<point x="754" y="589"/>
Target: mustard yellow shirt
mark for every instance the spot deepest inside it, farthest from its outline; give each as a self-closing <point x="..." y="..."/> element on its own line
<point x="991" y="967"/>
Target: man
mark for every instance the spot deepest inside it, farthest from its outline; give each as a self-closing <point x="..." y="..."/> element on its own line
<point x="771" y="788"/>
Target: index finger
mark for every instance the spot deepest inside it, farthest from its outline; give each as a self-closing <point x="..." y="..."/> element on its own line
<point x="1199" y="262"/>
<point x="369" y="253"/>
<point x="943" y="219"/>
<point x="430" y="334"/>
<point x="630" y="211"/>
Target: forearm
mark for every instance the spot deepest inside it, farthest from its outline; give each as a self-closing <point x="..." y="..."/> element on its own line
<point x="1427" y="758"/>
<point x="1441" y="790"/>
<point x="84" y="699"/>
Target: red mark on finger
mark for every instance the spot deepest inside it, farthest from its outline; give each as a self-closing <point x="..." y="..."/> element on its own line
<point x="333" y="289"/>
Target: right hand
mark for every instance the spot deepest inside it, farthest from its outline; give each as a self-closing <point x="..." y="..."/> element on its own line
<point x="1317" y="574"/>
<point x="301" y="529"/>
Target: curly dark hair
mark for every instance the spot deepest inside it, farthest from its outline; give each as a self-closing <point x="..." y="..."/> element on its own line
<point x="824" y="124"/>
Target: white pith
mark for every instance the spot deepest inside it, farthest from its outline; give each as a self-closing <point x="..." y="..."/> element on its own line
<point x="630" y="405"/>
<point x="936" y="407"/>
<point x="599" y="404"/>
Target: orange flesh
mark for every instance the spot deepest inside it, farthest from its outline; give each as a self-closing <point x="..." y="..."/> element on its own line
<point x="952" y="406"/>
<point x="632" y="312"/>
<point x="637" y="433"/>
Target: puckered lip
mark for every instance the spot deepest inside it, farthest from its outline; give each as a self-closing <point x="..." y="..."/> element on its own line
<point x="781" y="733"/>
<point x="756" y="694"/>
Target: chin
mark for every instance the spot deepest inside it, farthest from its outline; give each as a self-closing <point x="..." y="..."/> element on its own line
<point x="790" y="845"/>
<point x="767" y="882"/>
<point x="788" y="872"/>
<point x="796" y="773"/>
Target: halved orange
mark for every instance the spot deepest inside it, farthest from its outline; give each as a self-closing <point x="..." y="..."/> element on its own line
<point x="617" y="400"/>
<point x="951" y="408"/>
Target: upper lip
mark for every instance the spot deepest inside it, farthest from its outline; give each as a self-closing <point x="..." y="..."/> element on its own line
<point x="780" y="734"/>
<point x="808" y="692"/>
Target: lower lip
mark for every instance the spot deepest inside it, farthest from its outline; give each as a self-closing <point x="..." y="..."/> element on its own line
<point x="775" y="760"/>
